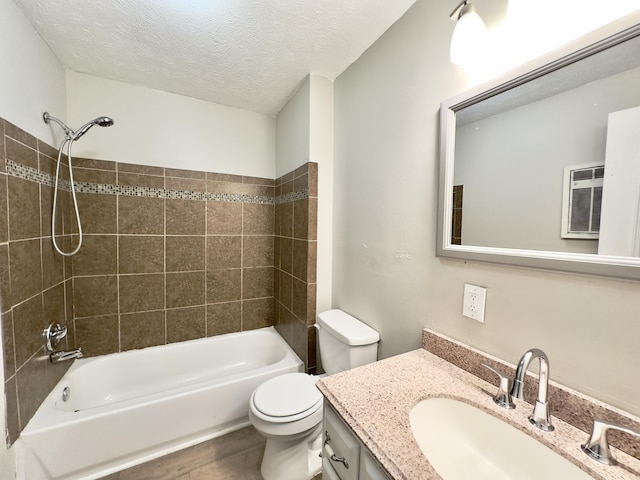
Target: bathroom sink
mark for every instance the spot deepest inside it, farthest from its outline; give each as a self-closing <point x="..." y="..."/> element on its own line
<point x="462" y="442"/>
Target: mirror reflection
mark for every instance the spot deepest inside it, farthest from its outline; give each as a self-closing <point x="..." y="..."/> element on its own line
<point x="554" y="164"/>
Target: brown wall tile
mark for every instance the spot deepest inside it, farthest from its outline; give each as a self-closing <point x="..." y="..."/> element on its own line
<point x="11" y="413"/>
<point x="285" y="282"/>
<point x="257" y="313"/>
<point x="141" y="293"/>
<point x="136" y="180"/>
<point x="185" y="253"/>
<point x="299" y="338"/>
<point x="224" y="252"/>
<point x="300" y="261"/>
<point x="4" y="203"/>
<point x="301" y="219"/>
<point x="186" y="217"/>
<point x="140" y="330"/>
<point x="141" y="215"/>
<point x="46" y="206"/>
<point x="95" y="296"/>
<point x="25" y="268"/>
<point x="33" y="386"/>
<point x="142" y="169"/>
<point x="224" y="318"/>
<point x="98" y="255"/>
<point x="175" y="172"/>
<point x="48" y="150"/>
<point x="258" y="219"/>
<point x="140" y="254"/>
<point x="28" y="321"/>
<point x="223" y="285"/>
<point x="258" y="251"/>
<point x="98" y="213"/>
<point x="286" y="219"/>
<point x="22" y="154"/>
<point x="90" y="175"/>
<point x="185" y="289"/>
<point x="8" y="344"/>
<point x="257" y="282"/>
<point x="185" y="184"/>
<point x="97" y="335"/>
<point x="24" y="209"/>
<point x="286" y="254"/>
<point x="5" y="280"/>
<point x="10" y="130"/>
<point x="223" y="177"/>
<point x="186" y="324"/>
<point x="313" y="179"/>
<point x="94" y="164"/>
<point x="299" y="300"/>
<point x="54" y="307"/>
<point x="224" y="218"/>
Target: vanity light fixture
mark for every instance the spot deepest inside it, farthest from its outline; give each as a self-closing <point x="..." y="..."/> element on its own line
<point x="469" y="36"/>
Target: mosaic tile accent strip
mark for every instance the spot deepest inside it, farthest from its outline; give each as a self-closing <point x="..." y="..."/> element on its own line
<point x="34" y="175"/>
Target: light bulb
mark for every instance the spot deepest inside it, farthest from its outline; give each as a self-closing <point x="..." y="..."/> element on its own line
<point x="469" y="37"/>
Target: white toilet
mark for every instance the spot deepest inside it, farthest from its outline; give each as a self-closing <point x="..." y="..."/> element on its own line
<point x="287" y="409"/>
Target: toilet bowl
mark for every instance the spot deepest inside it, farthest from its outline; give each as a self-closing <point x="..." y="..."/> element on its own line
<point x="287" y="410"/>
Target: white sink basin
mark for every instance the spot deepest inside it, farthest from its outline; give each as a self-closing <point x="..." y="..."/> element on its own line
<point x="463" y="442"/>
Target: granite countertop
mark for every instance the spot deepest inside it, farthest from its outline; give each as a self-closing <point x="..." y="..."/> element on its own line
<point x="375" y="401"/>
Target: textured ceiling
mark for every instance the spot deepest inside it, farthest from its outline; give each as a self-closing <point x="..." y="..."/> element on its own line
<point x="251" y="54"/>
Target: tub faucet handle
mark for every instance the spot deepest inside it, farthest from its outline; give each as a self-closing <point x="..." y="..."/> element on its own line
<point x="53" y="334"/>
<point x="503" y="397"/>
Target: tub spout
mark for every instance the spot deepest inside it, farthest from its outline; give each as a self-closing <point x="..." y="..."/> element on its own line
<point x="63" y="355"/>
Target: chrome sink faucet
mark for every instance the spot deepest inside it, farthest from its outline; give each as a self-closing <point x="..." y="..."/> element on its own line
<point x="540" y="417"/>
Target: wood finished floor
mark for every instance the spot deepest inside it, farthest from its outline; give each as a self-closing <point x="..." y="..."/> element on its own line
<point x="235" y="456"/>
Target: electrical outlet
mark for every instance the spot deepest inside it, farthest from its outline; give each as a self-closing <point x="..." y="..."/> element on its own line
<point x="473" y="303"/>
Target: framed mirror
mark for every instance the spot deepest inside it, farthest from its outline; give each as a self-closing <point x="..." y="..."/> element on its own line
<point x="541" y="167"/>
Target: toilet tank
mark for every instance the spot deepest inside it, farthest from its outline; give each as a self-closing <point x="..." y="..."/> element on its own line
<point x="345" y="342"/>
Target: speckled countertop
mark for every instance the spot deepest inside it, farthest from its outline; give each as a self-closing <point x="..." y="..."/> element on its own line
<point x="375" y="401"/>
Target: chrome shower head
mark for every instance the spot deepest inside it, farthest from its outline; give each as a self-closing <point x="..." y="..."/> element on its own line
<point x="100" y="121"/>
<point x="48" y="118"/>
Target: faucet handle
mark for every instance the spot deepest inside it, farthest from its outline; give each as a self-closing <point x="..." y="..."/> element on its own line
<point x="503" y="397"/>
<point x="53" y="334"/>
<point x="597" y="447"/>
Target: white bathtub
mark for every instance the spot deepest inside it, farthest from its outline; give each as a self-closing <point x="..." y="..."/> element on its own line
<point x="127" y="408"/>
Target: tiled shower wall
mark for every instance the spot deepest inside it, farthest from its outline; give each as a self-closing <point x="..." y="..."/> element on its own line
<point x="296" y="249"/>
<point x="168" y="255"/>
<point x="35" y="282"/>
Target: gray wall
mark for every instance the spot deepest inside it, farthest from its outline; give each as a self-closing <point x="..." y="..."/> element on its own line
<point x="385" y="268"/>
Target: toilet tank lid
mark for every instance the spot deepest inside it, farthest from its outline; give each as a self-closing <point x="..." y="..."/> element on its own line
<point x="347" y="329"/>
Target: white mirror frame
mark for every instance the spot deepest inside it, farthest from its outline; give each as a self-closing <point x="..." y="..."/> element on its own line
<point x="612" y="266"/>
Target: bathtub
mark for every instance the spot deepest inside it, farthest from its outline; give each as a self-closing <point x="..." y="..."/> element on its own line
<point x="127" y="408"/>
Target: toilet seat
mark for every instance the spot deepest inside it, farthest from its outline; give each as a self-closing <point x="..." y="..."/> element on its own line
<point x="286" y="398"/>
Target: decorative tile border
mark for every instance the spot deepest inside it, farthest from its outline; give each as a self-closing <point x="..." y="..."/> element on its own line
<point x="34" y="175"/>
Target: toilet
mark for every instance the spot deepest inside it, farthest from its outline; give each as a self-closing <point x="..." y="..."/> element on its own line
<point x="287" y="409"/>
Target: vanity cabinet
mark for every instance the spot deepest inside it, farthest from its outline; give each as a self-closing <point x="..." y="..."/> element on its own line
<point x="344" y="457"/>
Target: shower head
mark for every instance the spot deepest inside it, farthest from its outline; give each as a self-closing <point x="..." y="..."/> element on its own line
<point x="100" y="121"/>
<point x="73" y="136"/>
<point x="48" y="118"/>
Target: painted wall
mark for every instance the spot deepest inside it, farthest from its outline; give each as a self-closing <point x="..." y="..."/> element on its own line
<point x="304" y="132"/>
<point x="167" y="130"/>
<point x="385" y="268"/>
<point x="33" y="79"/>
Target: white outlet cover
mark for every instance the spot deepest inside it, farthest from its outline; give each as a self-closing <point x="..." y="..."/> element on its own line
<point x="474" y="302"/>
